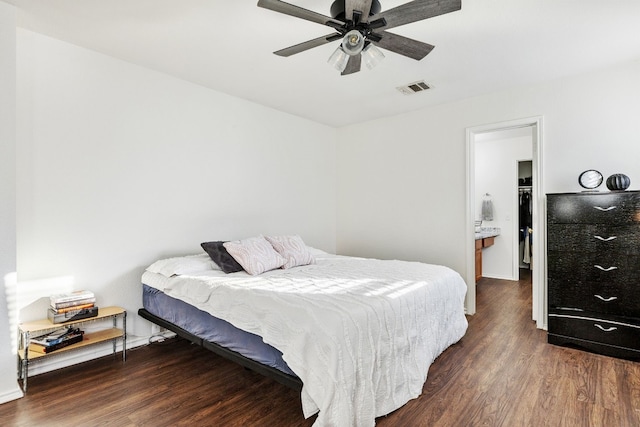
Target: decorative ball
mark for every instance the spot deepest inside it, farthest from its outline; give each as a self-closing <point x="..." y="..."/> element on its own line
<point x="618" y="182"/>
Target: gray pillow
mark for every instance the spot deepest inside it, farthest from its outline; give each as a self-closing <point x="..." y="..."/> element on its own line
<point x="221" y="257"/>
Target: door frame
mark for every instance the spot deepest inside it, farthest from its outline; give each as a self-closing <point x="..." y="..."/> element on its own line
<point x="539" y="286"/>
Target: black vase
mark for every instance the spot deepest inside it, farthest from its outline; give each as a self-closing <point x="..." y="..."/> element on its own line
<point x="618" y="182"/>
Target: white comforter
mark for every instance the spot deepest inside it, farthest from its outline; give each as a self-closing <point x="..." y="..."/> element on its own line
<point x="360" y="333"/>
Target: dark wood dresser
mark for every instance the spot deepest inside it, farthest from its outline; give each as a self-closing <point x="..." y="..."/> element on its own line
<point x="593" y="265"/>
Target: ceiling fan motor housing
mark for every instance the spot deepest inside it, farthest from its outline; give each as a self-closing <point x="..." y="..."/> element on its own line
<point x="338" y="9"/>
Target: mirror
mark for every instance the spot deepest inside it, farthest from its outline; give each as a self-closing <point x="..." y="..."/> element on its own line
<point x="590" y="179"/>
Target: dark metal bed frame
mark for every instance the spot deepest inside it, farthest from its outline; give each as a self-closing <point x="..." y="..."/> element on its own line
<point x="290" y="381"/>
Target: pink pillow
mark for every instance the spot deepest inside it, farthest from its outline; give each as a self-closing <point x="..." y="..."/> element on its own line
<point x="292" y="249"/>
<point x="255" y="255"/>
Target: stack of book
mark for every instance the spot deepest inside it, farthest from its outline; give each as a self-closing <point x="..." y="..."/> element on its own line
<point x="72" y="306"/>
<point x="55" y="340"/>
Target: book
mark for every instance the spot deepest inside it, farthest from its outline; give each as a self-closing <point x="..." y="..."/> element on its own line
<point x="71" y="315"/>
<point x="70" y="339"/>
<point x="59" y="333"/>
<point x="72" y="308"/>
<point x="60" y="305"/>
<point x="70" y="296"/>
<point x="54" y="334"/>
<point x="55" y="337"/>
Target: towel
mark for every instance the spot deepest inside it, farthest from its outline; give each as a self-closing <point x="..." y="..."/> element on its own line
<point x="487" y="210"/>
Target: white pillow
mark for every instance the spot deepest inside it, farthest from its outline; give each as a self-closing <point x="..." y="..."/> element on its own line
<point x="292" y="249"/>
<point x="183" y="265"/>
<point x="255" y="255"/>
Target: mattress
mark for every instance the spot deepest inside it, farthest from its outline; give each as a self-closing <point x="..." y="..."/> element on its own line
<point x="210" y="328"/>
<point x="360" y="333"/>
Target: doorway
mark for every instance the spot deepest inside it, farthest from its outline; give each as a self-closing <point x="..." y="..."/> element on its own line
<point x="537" y="205"/>
<point x="525" y="218"/>
<point x="499" y="162"/>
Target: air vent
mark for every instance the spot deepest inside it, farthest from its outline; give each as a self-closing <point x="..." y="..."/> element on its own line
<point x="414" y="87"/>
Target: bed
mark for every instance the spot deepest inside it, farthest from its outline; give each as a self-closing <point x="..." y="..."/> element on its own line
<point x="356" y="336"/>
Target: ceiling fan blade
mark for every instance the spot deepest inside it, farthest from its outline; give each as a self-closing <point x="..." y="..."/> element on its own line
<point x="298" y="12"/>
<point x="402" y="45"/>
<point x="417" y="10"/>
<point x="362" y="6"/>
<point x="353" y="66"/>
<point x="301" y="47"/>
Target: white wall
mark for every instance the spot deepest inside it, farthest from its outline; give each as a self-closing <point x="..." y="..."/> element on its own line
<point x="119" y="166"/>
<point x="496" y="173"/>
<point x="9" y="389"/>
<point x="401" y="186"/>
<point x="401" y="190"/>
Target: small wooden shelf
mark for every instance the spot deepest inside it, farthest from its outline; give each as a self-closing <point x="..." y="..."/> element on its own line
<point x="43" y="325"/>
<point x="36" y="328"/>
<point x="88" y="339"/>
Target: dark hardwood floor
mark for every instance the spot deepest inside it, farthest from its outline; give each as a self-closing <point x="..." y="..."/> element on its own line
<point x="502" y="373"/>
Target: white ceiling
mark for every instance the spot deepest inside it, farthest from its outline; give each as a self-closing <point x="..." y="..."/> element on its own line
<point x="227" y="45"/>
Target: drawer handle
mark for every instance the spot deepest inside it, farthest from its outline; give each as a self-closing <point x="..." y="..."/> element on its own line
<point x="605" y="269"/>
<point x="611" y="329"/>
<point x="606" y="299"/>
<point x="608" y="239"/>
<point x="610" y="208"/>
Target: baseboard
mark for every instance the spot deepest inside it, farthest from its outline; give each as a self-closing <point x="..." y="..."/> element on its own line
<point x="499" y="277"/>
<point x="9" y="395"/>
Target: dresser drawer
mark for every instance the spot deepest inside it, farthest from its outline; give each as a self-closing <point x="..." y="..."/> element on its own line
<point x="606" y="208"/>
<point x="618" y="239"/>
<point x="606" y="298"/>
<point x="598" y="330"/>
<point x="581" y="268"/>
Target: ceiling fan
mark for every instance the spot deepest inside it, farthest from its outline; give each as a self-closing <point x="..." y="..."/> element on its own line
<point x="362" y="26"/>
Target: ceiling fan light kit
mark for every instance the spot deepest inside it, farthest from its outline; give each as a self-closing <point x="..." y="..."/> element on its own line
<point x="371" y="56"/>
<point x="339" y="59"/>
<point x="353" y="43"/>
<point x="361" y="25"/>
